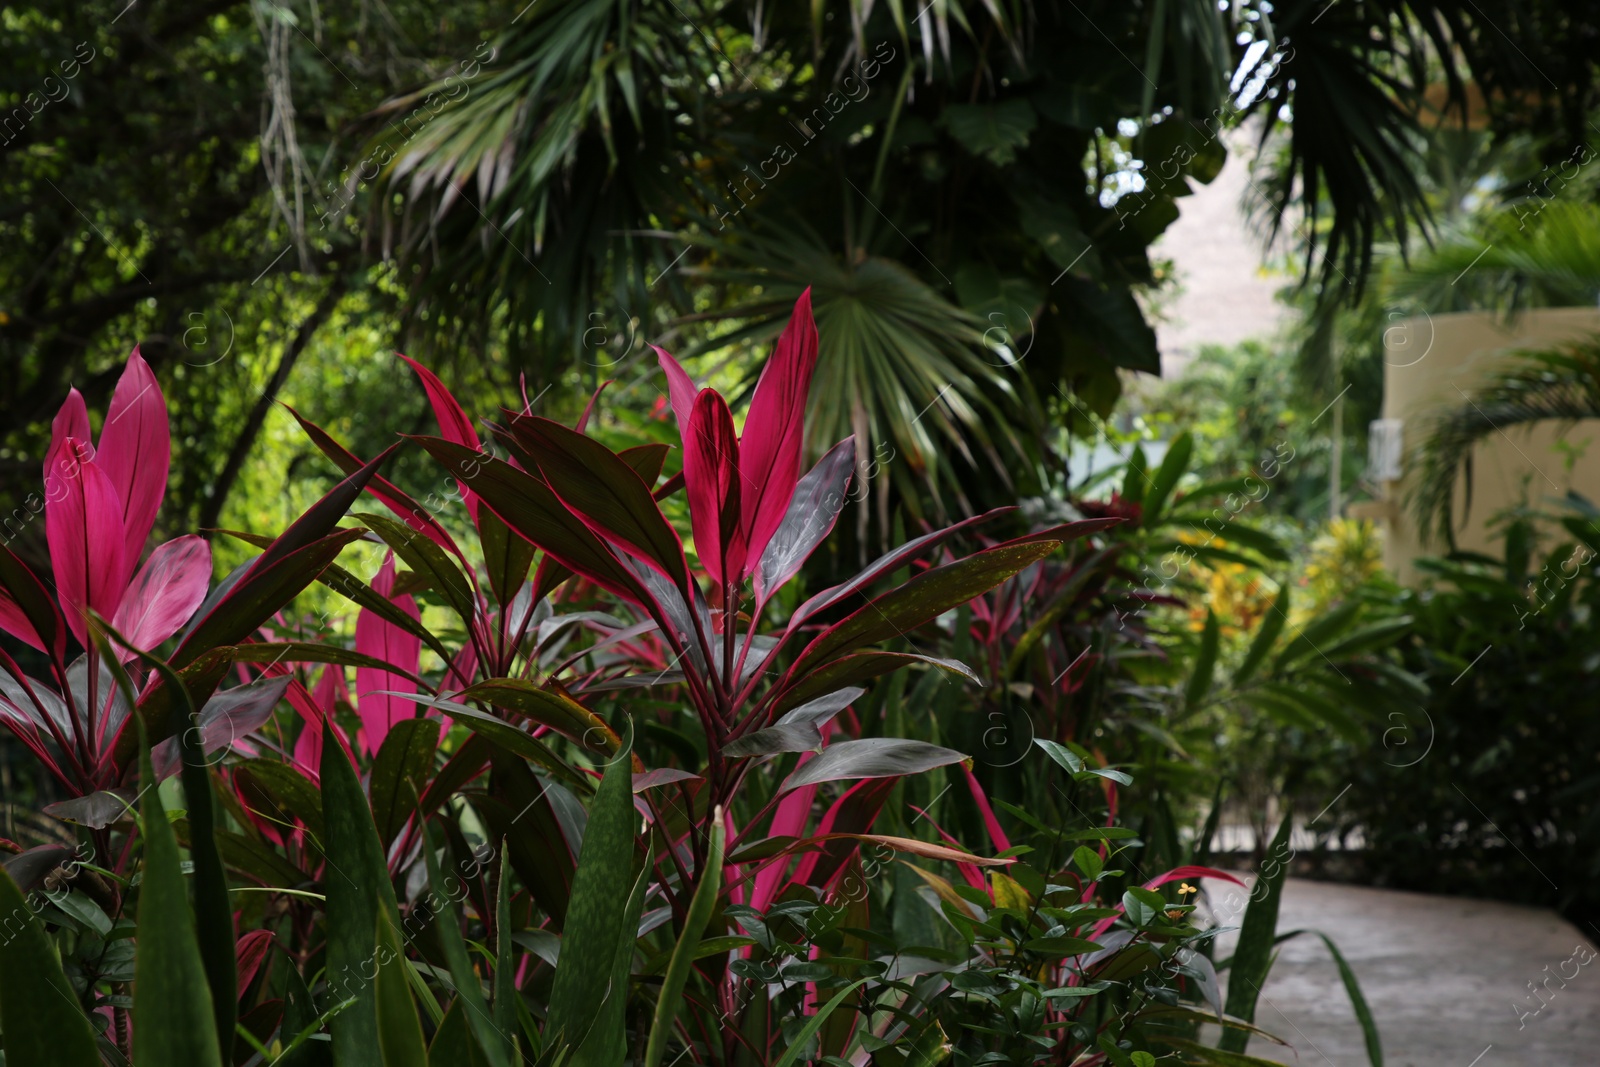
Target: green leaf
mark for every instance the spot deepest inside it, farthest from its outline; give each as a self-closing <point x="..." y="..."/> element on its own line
<point x="428" y="559"/>
<point x="41" y="1019"/>
<point x="359" y="893"/>
<point x="704" y="902"/>
<point x="453" y="1045"/>
<point x="549" y="707"/>
<point x="172" y="1005"/>
<point x="294" y="793"/>
<point x="1358" y="1002"/>
<point x="1261" y="645"/>
<point x="400" y="773"/>
<point x="1199" y="1053"/>
<point x="994" y="131"/>
<point x="1205" y="664"/>
<point x="213" y="911"/>
<point x="399" y="1027"/>
<point x="1142" y="906"/>
<point x="1320" y="632"/>
<point x="813" y="1024"/>
<point x="923" y="598"/>
<point x="506" y="559"/>
<point x="1253" y="957"/>
<point x="476" y="1019"/>
<point x="1173" y="467"/>
<point x="505" y="962"/>
<point x="1061" y="946"/>
<point x="586" y="1004"/>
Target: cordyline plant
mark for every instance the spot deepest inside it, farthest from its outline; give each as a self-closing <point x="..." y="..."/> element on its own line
<point x="100" y="505"/>
<point x="355" y="852"/>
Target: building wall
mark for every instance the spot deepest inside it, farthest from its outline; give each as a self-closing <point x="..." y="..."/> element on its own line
<point x="1431" y="361"/>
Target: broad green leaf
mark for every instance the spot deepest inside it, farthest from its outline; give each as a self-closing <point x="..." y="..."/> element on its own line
<point x="872" y="757"/>
<point x="1205" y="664"/>
<point x="356" y="883"/>
<point x="454" y="1045"/>
<point x="426" y="558"/>
<point x="1253" y="957"/>
<point x="293" y="792"/>
<point x="399" y="1027"/>
<point x="506" y="559"/>
<point x="549" y="707"/>
<point x="400" y="773"/>
<point x="172" y="1005"/>
<point x="670" y="999"/>
<point x="41" y="1019"/>
<point x="1173" y="467"/>
<point x="1309" y="641"/>
<point x="586" y="1008"/>
<point x="1266" y="637"/>
<point x="994" y="131"/>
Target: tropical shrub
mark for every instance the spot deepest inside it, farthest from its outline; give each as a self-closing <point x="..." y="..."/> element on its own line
<point x="1487" y="785"/>
<point x="603" y="793"/>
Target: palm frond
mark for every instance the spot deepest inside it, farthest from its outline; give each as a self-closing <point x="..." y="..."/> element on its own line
<point x="1560" y="383"/>
<point x="1532" y="253"/>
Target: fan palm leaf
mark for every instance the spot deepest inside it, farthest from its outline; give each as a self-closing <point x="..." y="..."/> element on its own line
<point x="1560" y="383"/>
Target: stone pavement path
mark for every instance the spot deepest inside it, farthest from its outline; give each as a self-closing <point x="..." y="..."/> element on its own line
<point x="1448" y="980"/>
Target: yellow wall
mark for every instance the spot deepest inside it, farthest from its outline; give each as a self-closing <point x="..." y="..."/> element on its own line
<point x="1430" y="362"/>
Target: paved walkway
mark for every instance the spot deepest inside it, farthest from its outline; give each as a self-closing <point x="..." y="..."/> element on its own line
<point x="1447" y="980"/>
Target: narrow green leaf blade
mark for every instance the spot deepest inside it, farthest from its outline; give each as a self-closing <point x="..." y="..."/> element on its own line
<point x="683" y="954"/>
<point x="172" y="1006"/>
<point x="42" y="1021"/>
<point x="1253" y="958"/>
<point x="356" y="883"/>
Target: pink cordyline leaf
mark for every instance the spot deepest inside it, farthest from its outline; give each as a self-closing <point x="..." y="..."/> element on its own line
<point x="384" y="640"/>
<point x="454" y="425"/>
<point x="14" y="622"/>
<point x="582" y="425"/>
<point x="71" y="421"/>
<point x="87" y="548"/>
<point x="997" y="836"/>
<point x="711" y="476"/>
<point x="681" y="388"/>
<point x="774" y="428"/>
<point x="135" y="451"/>
<point x="166" y="591"/>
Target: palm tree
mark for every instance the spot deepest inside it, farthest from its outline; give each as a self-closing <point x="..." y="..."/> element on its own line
<point x="973" y="185"/>
<point x="1531" y="254"/>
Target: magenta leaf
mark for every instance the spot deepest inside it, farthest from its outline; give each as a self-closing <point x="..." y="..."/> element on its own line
<point x="226" y="719"/>
<point x="165" y="593"/>
<point x="711" y="477"/>
<point x="136" y="450"/>
<point x="88" y="549"/>
<point x="774" y="428"/>
<point x="681" y="387"/>
<point x="377" y="699"/>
